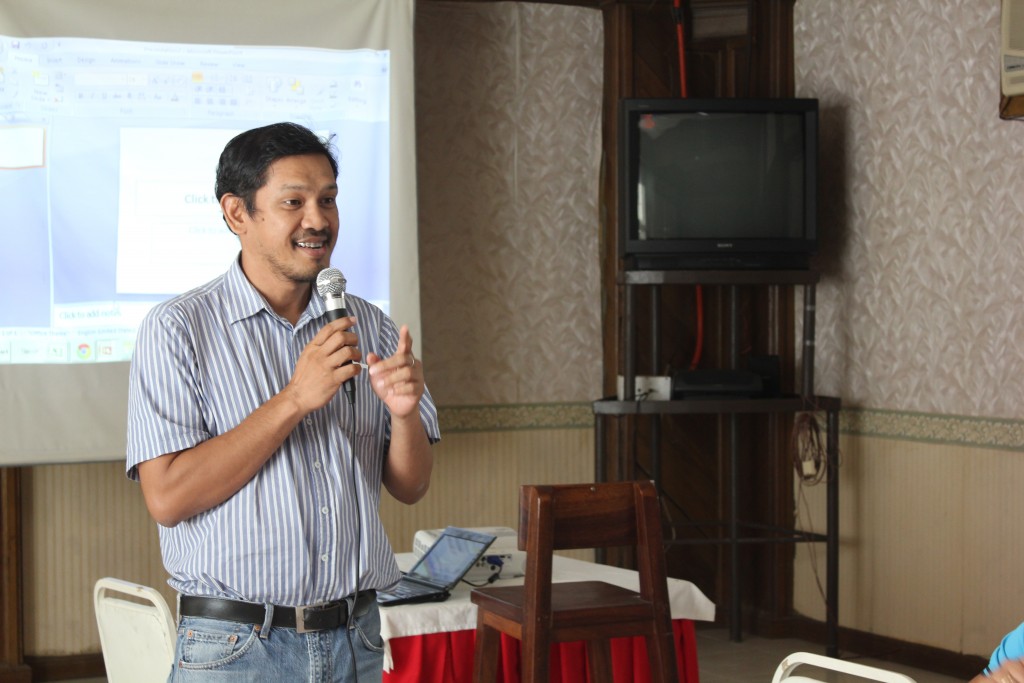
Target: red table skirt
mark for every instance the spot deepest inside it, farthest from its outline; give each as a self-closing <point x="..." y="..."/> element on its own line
<point x="448" y="658"/>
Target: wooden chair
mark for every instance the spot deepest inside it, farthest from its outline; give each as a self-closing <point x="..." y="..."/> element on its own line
<point x="540" y="613"/>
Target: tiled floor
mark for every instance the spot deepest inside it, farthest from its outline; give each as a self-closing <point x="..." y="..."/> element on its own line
<point x="754" y="660"/>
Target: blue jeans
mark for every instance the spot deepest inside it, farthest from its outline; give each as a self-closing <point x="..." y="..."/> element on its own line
<point x="217" y="650"/>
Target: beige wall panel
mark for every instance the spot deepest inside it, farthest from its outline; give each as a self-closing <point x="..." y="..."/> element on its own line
<point x="81" y="523"/>
<point x="993" y="510"/>
<point x="904" y="542"/>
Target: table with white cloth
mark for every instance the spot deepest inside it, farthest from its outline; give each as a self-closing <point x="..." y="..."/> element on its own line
<point x="433" y="642"/>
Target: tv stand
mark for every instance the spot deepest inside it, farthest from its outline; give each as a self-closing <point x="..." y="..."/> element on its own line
<point x="718" y="260"/>
<point x="738" y="532"/>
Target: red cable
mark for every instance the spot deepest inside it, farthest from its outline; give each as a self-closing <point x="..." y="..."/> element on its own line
<point x="682" y="50"/>
<point x="699" y="346"/>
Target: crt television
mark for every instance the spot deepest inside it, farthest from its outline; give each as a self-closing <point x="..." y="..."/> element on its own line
<point x="718" y="183"/>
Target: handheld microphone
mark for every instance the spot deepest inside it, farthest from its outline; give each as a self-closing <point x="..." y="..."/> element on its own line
<point x="330" y="283"/>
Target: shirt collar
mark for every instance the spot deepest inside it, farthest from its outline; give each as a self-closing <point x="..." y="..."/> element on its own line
<point x="246" y="301"/>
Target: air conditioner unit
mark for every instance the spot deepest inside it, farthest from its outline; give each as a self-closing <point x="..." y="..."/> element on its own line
<point x="1012" y="57"/>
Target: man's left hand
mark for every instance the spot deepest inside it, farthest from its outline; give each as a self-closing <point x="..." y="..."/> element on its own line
<point x="398" y="380"/>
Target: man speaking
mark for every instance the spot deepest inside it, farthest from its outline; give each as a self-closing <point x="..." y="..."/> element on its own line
<point x="263" y="477"/>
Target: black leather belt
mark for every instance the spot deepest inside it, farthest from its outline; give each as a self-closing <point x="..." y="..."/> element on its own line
<point x="302" y="619"/>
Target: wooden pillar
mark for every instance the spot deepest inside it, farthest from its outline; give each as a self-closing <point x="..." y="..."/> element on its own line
<point x="12" y="644"/>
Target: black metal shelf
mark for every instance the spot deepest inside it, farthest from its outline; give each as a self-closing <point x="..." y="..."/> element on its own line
<point x="774" y="534"/>
<point x="719" y="277"/>
<point x="737" y="531"/>
<point x="715" y="406"/>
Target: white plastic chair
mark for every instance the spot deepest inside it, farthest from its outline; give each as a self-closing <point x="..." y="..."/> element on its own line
<point x="137" y="631"/>
<point x="862" y="671"/>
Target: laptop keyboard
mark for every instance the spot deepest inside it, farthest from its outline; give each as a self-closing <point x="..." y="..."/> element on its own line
<point x="406" y="589"/>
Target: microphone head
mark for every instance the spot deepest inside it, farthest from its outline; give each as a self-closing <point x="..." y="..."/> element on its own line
<point x="330" y="283"/>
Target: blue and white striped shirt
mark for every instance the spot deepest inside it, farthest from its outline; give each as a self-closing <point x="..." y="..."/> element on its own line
<point x="204" y="361"/>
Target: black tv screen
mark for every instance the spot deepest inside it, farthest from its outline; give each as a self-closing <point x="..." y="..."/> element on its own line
<point x="723" y="183"/>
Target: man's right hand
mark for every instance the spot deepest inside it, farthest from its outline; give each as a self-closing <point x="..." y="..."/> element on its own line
<point x="324" y="365"/>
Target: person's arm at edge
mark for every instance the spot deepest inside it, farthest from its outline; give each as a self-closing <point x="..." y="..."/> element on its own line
<point x="1011" y="671"/>
<point x="1006" y="665"/>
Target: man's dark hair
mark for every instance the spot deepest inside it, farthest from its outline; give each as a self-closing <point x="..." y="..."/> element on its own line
<point x="242" y="169"/>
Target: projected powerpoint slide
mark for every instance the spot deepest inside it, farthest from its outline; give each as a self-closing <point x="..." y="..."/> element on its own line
<point x="108" y="155"/>
<point x="170" y="233"/>
<point x="22" y="147"/>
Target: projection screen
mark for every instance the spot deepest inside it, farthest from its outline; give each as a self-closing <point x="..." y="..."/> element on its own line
<point x="112" y="115"/>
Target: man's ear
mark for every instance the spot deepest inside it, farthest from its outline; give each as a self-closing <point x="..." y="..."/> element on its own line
<point x="234" y="211"/>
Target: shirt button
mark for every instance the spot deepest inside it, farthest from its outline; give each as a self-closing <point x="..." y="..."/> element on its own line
<point x="324" y="557"/>
<point x="308" y="420"/>
<point x="316" y="465"/>
<point x="324" y="509"/>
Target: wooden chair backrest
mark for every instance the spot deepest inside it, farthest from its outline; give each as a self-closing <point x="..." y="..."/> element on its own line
<point x="600" y="515"/>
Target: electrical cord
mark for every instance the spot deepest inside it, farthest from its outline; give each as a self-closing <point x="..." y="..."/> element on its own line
<point x="359" y="538"/>
<point x="643" y="395"/>
<point x="808" y="449"/>
<point x="679" y="17"/>
<point x="494" y="561"/>
<point x="810" y="460"/>
<point x="811" y="547"/>
<point x="667" y="500"/>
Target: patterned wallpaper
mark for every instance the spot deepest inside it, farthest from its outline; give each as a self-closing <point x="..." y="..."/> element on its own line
<point x="921" y="306"/>
<point x="508" y="115"/>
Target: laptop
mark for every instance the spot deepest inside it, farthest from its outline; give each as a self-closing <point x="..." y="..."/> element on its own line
<point x="442" y="566"/>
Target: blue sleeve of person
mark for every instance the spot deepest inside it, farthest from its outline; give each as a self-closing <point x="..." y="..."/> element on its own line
<point x="1012" y="647"/>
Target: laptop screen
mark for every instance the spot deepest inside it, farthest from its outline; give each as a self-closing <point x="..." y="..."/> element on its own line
<point x="450" y="557"/>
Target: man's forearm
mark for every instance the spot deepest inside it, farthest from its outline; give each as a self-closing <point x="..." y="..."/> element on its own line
<point x="410" y="460"/>
<point x="178" y="486"/>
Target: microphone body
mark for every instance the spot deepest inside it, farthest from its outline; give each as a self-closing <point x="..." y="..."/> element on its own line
<point x="335" y="307"/>
<point x="330" y="283"/>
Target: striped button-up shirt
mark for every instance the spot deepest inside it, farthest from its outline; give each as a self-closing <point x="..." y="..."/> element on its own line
<point x="303" y="528"/>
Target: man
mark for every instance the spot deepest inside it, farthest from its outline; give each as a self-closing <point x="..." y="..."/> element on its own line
<point x="264" y="479"/>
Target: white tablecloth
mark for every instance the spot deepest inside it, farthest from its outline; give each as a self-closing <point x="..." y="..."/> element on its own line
<point x="457" y="613"/>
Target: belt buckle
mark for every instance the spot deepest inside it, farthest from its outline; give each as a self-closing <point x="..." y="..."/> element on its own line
<point x="300" y="619"/>
<point x="300" y="616"/>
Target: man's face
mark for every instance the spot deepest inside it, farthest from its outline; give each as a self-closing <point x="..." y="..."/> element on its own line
<point x="291" y="233"/>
